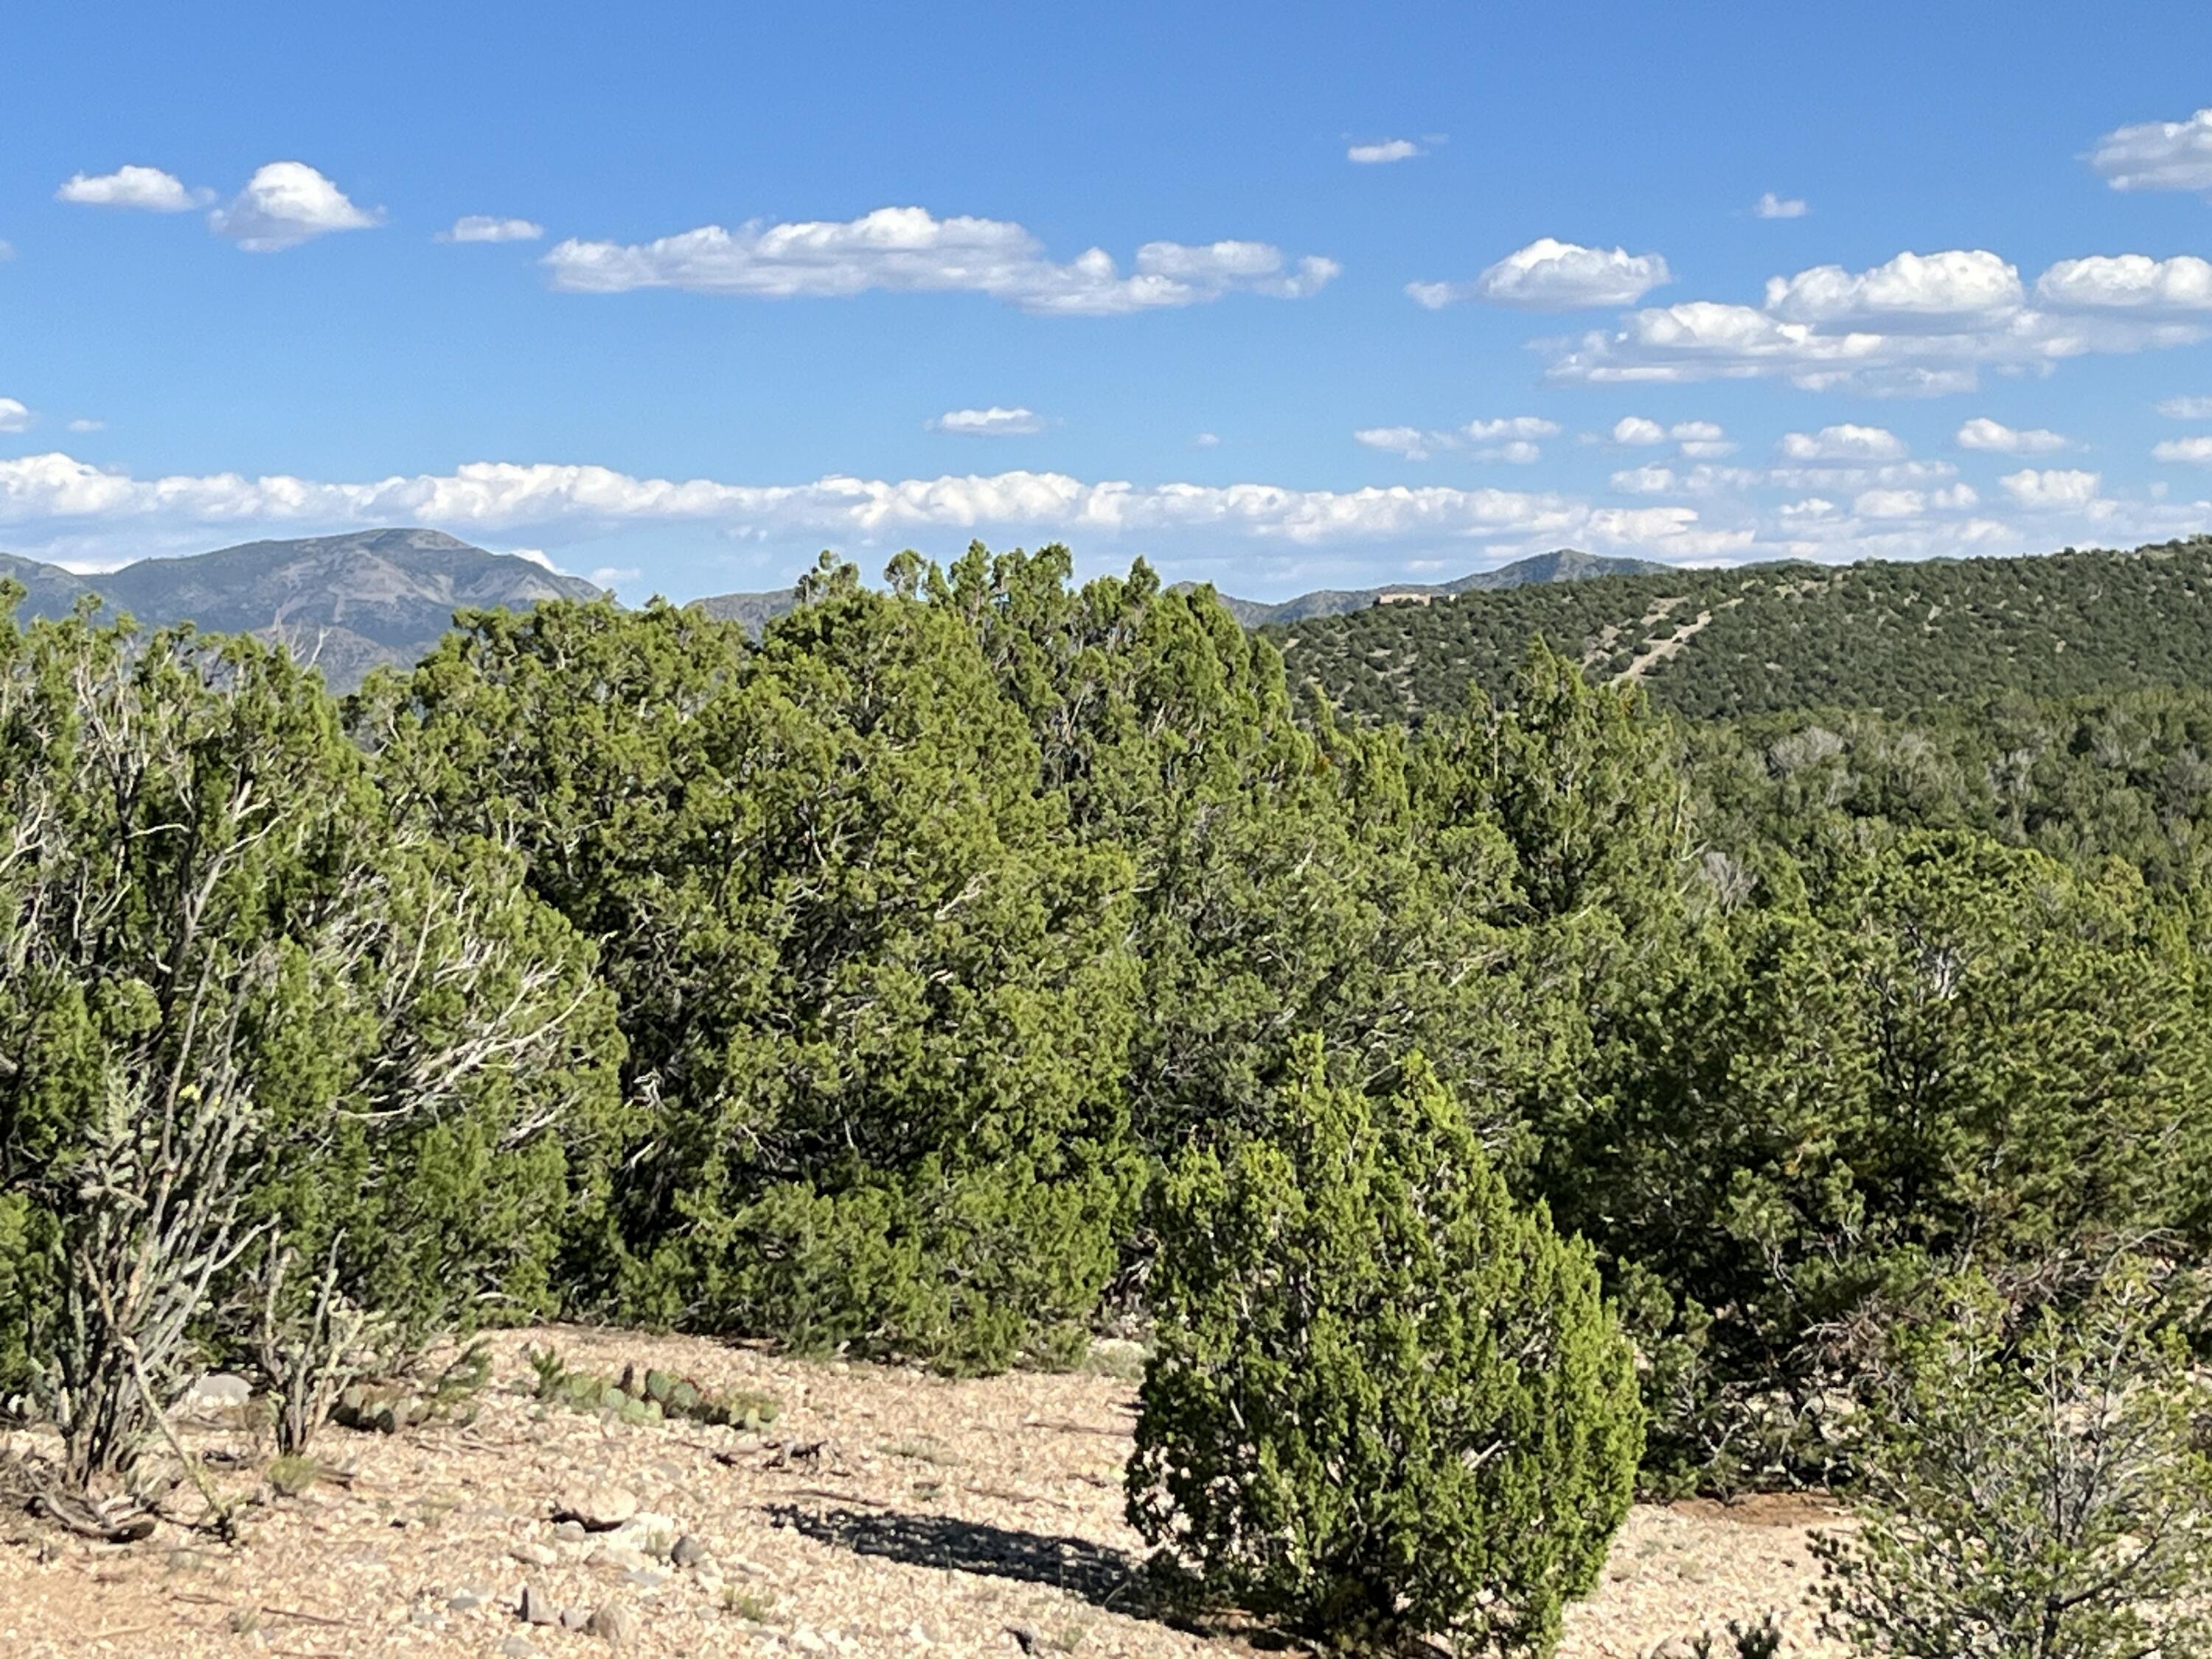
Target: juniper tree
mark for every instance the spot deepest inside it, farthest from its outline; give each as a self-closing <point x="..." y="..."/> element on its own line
<point x="876" y="997"/>
<point x="1386" y="1400"/>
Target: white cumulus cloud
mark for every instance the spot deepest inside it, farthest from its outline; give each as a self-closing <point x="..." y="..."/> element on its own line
<point x="1549" y="275"/>
<point x="1407" y="441"/>
<point x="1890" y="504"/>
<point x="499" y="498"/>
<point x="1818" y="476"/>
<point x="1384" y="149"/>
<point x="2054" y="488"/>
<point x="2158" y="154"/>
<point x="284" y="204"/>
<point x="909" y="250"/>
<point x="1917" y="325"/>
<point x="1996" y="438"/>
<point x="1510" y="425"/>
<point x="482" y="228"/>
<point x="1771" y="206"/>
<point x="1700" y="441"/>
<point x="2196" y="451"/>
<point x="2186" y="409"/>
<point x="1482" y="437"/>
<point x="992" y="422"/>
<point x="13" y="416"/>
<point x="1517" y="453"/>
<point x="58" y="507"/>
<point x="2129" y="282"/>
<point x="1844" y="442"/>
<point x="1913" y="289"/>
<point x="148" y="188"/>
<point x="86" y="423"/>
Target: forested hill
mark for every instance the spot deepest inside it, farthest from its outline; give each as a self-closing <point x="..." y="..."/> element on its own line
<point x="1566" y="565"/>
<point x="1771" y="638"/>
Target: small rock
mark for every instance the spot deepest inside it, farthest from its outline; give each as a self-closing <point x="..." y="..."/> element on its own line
<point x="516" y="1647"/>
<point x="467" y="1599"/>
<point x="574" y="1619"/>
<point x="807" y="1641"/>
<point x="615" y="1622"/>
<point x="537" y="1606"/>
<point x="647" y="1531"/>
<point x="570" y="1532"/>
<point x="645" y="1579"/>
<point x="619" y="1558"/>
<point x="217" y="1391"/>
<point x="689" y="1551"/>
<point x="600" y="1507"/>
<point x="1025" y="1637"/>
<point x="535" y="1554"/>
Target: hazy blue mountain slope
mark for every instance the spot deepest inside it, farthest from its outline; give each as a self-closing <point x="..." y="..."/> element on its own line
<point x="348" y="602"/>
<point x="1562" y="566"/>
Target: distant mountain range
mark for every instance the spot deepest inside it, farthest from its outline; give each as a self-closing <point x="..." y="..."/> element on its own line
<point x="350" y="603"/>
<point x="1565" y="566"/>
<point x="347" y="603"/>
<point x="756" y="611"/>
<point x="1706" y="642"/>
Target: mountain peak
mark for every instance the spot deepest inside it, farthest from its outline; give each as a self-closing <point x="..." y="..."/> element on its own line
<point x="350" y="602"/>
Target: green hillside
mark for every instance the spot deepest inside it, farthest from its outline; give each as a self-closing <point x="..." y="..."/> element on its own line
<point x="1723" y="644"/>
<point x="1566" y="565"/>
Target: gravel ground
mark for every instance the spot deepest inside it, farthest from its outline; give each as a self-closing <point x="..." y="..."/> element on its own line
<point x="883" y="1512"/>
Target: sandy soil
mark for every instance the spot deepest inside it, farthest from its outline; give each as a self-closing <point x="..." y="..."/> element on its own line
<point x="884" y="1512"/>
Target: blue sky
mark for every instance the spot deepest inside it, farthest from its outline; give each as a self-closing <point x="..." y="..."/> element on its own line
<point x="870" y="277"/>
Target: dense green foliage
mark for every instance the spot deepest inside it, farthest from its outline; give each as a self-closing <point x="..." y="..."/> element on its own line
<point x="1944" y="1052"/>
<point x="879" y="994"/>
<point x="941" y="973"/>
<point x="1387" y="1400"/>
<point x="246" y="1015"/>
<point x="1720" y="644"/>
<point x="2126" y="775"/>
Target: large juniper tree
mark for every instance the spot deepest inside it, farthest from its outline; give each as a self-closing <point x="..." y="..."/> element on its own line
<point x="879" y="995"/>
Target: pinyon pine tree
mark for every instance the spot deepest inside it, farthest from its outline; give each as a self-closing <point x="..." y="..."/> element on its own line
<point x="248" y="1016"/>
<point x="2034" y="1489"/>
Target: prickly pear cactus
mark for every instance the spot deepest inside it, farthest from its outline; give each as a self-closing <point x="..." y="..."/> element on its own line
<point x="649" y="1396"/>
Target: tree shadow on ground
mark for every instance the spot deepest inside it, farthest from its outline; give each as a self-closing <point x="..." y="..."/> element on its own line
<point x="1103" y="1576"/>
<point x="1100" y="1575"/>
